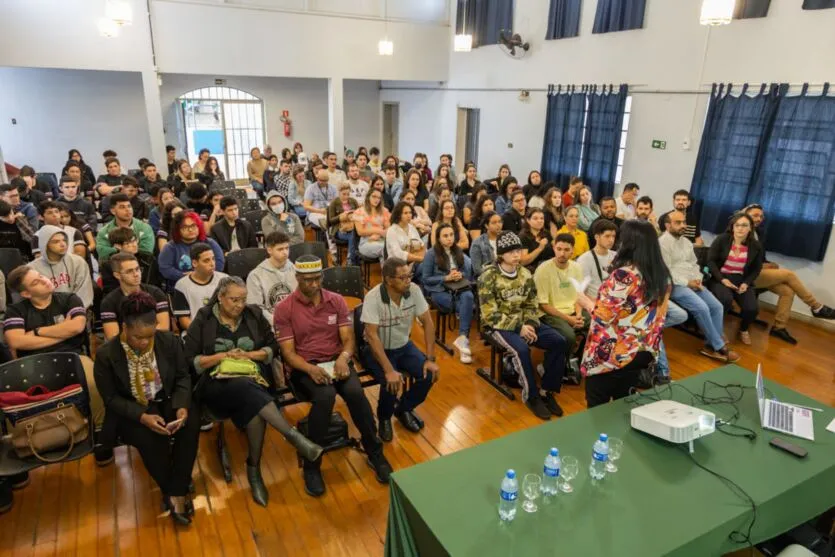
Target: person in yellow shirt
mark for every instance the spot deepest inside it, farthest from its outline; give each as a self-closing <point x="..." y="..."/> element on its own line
<point x="581" y="241"/>
<point x="557" y="294"/>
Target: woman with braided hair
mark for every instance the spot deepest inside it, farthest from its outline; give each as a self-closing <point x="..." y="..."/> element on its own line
<point x="143" y="378"/>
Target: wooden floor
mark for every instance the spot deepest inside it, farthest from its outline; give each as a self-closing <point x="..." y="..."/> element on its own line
<point x="78" y="509"/>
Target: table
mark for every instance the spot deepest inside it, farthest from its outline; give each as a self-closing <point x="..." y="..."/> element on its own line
<point x="658" y="503"/>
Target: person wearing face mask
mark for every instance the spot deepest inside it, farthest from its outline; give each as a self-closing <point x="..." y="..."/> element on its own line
<point x="278" y="218"/>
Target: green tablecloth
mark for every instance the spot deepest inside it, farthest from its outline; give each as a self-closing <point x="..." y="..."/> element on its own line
<point x="659" y="503"/>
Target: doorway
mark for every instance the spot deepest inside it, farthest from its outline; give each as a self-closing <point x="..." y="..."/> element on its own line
<point x="391" y="129"/>
<point x="466" y="136"/>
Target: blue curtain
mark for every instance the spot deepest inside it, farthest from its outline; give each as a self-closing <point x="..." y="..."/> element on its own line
<point x="483" y="19"/>
<point x="563" y="19"/>
<point x="818" y="4"/>
<point x="604" y="125"/>
<point x="618" y="15"/>
<point x="730" y="150"/>
<point x="795" y="182"/>
<point x="563" y="134"/>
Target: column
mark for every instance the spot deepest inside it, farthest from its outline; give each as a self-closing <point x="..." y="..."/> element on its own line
<point x="336" y="116"/>
<point x="153" y="111"/>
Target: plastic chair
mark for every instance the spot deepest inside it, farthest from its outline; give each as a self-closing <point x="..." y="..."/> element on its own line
<point x="345" y="281"/>
<point x="319" y="249"/>
<point x="254" y="218"/>
<point x="54" y="371"/>
<point x="242" y="262"/>
<point x="10" y="259"/>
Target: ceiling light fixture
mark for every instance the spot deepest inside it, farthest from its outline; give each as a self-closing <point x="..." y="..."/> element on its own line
<point x="119" y="11"/>
<point x="463" y="42"/>
<point x="717" y="12"/>
<point x="385" y="47"/>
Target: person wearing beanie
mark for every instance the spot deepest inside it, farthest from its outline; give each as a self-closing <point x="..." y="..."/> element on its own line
<point x="68" y="272"/>
<point x="279" y="219"/>
<point x="510" y="315"/>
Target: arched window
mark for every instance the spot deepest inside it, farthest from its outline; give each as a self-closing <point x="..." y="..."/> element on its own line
<point x="226" y="121"/>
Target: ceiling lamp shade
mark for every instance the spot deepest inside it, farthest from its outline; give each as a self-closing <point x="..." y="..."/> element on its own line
<point x="119" y="11"/>
<point x="463" y="43"/>
<point x="717" y="12"/>
<point x="385" y="47"/>
<point x="108" y="28"/>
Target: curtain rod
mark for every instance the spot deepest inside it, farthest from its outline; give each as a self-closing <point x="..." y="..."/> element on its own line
<point x="539" y="90"/>
<point x="735" y="82"/>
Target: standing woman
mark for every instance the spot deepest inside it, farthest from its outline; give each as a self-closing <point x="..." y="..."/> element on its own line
<point x="482" y="207"/>
<point x="446" y="213"/>
<point x="552" y="208"/>
<point x="231" y="346"/>
<point x="627" y="320"/>
<point x="372" y="221"/>
<point x="536" y="240"/>
<point x="589" y="210"/>
<point x="581" y="239"/>
<point x="483" y="250"/>
<point x="143" y="378"/>
<point x="735" y="260"/>
<point x="295" y="195"/>
<point x="446" y="264"/>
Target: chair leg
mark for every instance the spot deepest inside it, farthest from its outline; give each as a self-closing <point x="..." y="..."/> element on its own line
<point x="223" y="453"/>
<point x="493" y="376"/>
<point x="440" y="332"/>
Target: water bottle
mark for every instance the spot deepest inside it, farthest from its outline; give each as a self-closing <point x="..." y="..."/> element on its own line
<point x="599" y="456"/>
<point x="551" y="473"/>
<point x="507" y="499"/>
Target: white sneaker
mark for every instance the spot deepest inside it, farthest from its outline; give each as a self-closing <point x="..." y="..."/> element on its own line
<point x="465" y="358"/>
<point x="462" y="343"/>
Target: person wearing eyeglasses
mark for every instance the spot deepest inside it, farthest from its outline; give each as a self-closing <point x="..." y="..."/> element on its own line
<point x="127" y="270"/>
<point x="175" y="257"/>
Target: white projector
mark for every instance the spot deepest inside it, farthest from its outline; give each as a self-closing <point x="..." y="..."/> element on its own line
<point x="673" y="421"/>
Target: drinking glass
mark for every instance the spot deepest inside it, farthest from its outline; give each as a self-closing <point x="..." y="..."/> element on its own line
<point x="615" y="452"/>
<point x="570" y="469"/>
<point x="530" y="489"/>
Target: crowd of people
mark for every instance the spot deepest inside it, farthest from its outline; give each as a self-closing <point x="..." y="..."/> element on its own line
<point x="592" y="284"/>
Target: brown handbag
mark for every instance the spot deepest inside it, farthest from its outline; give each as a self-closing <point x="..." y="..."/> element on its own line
<point x="62" y="426"/>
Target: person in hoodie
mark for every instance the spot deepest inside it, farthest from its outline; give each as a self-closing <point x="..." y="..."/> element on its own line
<point x="11" y="195"/>
<point x="68" y="272"/>
<point x="278" y="218"/>
<point x="175" y="258"/>
<point x="274" y="278"/>
<point x="51" y="215"/>
<point x="82" y="208"/>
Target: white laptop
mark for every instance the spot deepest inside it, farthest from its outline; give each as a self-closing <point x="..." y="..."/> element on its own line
<point x="782" y="417"/>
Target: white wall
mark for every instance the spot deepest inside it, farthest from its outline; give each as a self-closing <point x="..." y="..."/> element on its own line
<point x="790" y="45"/>
<point x="57" y="110"/>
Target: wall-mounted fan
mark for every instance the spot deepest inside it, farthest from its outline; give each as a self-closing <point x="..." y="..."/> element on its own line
<point x="513" y="44"/>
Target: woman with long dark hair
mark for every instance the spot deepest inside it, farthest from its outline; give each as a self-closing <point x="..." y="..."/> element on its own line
<point x="143" y="378"/>
<point x="534" y="187"/>
<point x="507" y="189"/>
<point x="448" y="214"/>
<point x="627" y="320"/>
<point x="735" y="260"/>
<point x="482" y="207"/>
<point x="553" y="210"/>
<point x="212" y="172"/>
<point x="483" y="250"/>
<point x="175" y="257"/>
<point x="495" y="185"/>
<point x="536" y="240"/>
<point x="468" y="183"/>
<point x="479" y="191"/>
<point x="169" y="211"/>
<point x="581" y="239"/>
<point x="589" y="210"/>
<point x="74" y="155"/>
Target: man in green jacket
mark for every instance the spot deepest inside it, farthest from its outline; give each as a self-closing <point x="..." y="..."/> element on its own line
<point x="122" y="212"/>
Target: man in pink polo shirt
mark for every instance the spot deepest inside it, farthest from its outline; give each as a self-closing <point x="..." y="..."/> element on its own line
<point x="314" y="330"/>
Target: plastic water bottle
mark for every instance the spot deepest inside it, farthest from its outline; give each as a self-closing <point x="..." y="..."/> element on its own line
<point x="599" y="456"/>
<point x="507" y="498"/>
<point x="551" y="473"/>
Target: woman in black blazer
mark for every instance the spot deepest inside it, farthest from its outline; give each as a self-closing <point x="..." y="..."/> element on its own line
<point x="735" y="259"/>
<point x="143" y="378"/>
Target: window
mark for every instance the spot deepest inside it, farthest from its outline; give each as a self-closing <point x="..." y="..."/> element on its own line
<point x="627" y="111"/>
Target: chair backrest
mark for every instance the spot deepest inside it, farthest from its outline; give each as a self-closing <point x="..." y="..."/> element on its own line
<point x="254" y="218"/>
<point x="155" y="278"/>
<point x="50" y="178"/>
<point x="135" y="172"/>
<point x="238" y="194"/>
<point x="10" y="258"/>
<point x="359" y="329"/>
<point x="241" y="262"/>
<point x="310" y="248"/>
<point x="251" y="205"/>
<point x="345" y="281"/>
<point x="701" y="257"/>
<point x="229" y="184"/>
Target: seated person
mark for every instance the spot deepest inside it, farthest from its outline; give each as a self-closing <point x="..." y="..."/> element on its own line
<point x="68" y="272"/>
<point x="143" y="377"/>
<point x="150" y="179"/>
<point x="514" y="216"/>
<point x="194" y="290"/>
<point x="280" y="217"/>
<point x="233" y="233"/>
<point x="124" y="240"/>
<point x="274" y="278"/>
<point x="317" y="198"/>
<point x="421" y="219"/>
<point x="510" y="315"/>
<point x="608" y="208"/>
<point x="11" y="195"/>
<point x="107" y="183"/>
<point x="231" y="346"/>
<point x="51" y="215"/>
<point x="15" y="232"/>
<point x="372" y="221"/>
<point x="72" y="198"/>
<point x="735" y="259"/>
<point x="175" y="259"/>
<point x="388" y="311"/>
<point x="168" y="213"/>
<point x="447" y="213"/>
<point x="197" y="199"/>
<point x="571" y="226"/>
<point x="689" y="292"/>
<point x="784" y="283"/>
<point x="483" y="250"/>
<point x="402" y="238"/>
<point x="341" y="221"/>
<point x="160" y="200"/>
<point x="130" y="187"/>
<point x="643" y="211"/>
<point x="536" y="240"/>
<point x="27" y="184"/>
<point x="122" y="210"/>
<point x="314" y="327"/>
<point x="595" y="262"/>
<point x="128" y="274"/>
<point x="297" y="189"/>
<point x="556" y="293"/>
<point x="446" y="274"/>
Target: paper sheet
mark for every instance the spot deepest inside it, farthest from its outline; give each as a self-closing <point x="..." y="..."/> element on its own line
<point x="328" y="367"/>
<point x="831" y="426"/>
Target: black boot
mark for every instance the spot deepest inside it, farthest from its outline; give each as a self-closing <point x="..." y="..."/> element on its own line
<point x="308" y="450"/>
<point x="256" y="484"/>
<point x="183" y="519"/>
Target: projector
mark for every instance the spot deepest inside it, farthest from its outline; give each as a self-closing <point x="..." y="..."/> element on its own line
<point x="673" y="421"/>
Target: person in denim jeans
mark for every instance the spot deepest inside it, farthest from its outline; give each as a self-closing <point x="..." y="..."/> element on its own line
<point x="675" y="316"/>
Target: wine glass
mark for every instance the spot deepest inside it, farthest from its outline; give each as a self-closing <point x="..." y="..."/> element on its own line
<point x="615" y="452"/>
<point x="569" y="471"/>
<point x="530" y="488"/>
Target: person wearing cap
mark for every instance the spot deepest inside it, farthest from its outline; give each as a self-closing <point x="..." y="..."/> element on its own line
<point x="316" y="336"/>
<point x="510" y="315"/>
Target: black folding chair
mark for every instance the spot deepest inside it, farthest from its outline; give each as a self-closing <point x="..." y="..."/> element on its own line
<point x="319" y="249"/>
<point x="242" y="262"/>
<point x="254" y="218"/>
<point x="54" y="371"/>
<point x="345" y="281"/>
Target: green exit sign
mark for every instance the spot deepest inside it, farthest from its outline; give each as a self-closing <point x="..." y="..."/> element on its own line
<point x="659" y="144"/>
